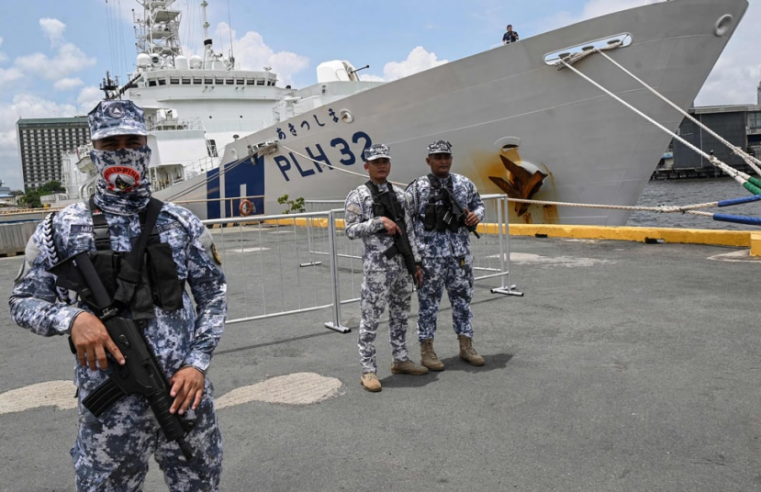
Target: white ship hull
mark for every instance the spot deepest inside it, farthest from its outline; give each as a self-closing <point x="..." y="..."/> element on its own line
<point x="592" y="149"/>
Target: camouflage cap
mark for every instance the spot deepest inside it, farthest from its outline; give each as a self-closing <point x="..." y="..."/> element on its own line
<point x="377" y="151"/>
<point x="440" y="147"/>
<point x="111" y="118"/>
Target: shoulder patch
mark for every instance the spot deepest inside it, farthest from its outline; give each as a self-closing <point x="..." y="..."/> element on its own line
<point x="207" y="240"/>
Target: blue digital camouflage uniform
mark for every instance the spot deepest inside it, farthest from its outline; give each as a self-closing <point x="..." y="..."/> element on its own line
<point x="104" y="457"/>
<point x="447" y="259"/>
<point x="111" y="452"/>
<point x="385" y="280"/>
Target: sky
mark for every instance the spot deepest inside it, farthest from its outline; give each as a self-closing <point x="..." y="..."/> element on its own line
<point x="54" y="53"/>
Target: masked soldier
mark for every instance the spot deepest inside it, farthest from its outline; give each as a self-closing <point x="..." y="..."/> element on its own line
<point x="111" y="451"/>
<point x="378" y="213"/>
<point x="445" y="208"/>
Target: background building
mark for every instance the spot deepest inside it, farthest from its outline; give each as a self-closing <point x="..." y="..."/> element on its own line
<point x="42" y="141"/>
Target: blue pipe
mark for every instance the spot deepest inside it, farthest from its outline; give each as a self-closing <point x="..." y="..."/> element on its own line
<point x="740" y="201"/>
<point x="738" y="219"/>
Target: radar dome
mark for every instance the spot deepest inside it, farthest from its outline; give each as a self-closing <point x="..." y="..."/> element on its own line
<point x="181" y="63"/>
<point x="143" y="60"/>
<point x="196" y="62"/>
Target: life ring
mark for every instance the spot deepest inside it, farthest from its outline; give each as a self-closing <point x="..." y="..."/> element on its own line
<point x="246" y="207"/>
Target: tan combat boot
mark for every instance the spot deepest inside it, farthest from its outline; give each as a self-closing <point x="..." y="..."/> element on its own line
<point x="370" y="382"/>
<point x="408" y="367"/>
<point x="468" y="353"/>
<point x="428" y="356"/>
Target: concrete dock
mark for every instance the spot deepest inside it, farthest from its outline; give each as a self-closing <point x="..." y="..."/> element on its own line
<point x="626" y="367"/>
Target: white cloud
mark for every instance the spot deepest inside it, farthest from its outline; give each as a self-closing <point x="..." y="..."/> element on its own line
<point x="251" y="53"/>
<point x="88" y="98"/>
<point x="736" y="76"/>
<point x="67" y="83"/>
<point x="53" y="30"/>
<point x="3" y="56"/>
<point x="67" y="60"/>
<point x="9" y="75"/>
<point x="418" y="60"/>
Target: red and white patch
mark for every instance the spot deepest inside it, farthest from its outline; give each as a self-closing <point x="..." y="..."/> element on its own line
<point x="121" y="178"/>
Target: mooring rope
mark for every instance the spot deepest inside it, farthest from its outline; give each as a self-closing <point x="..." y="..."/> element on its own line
<point x="742" y="178"/>
<point x="749" y="159"/>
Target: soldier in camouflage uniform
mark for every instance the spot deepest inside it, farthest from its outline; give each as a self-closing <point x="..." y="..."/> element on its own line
<point x="111" y="452"/>
<point x="445" y="248"/>
<point x="386" y="280"/>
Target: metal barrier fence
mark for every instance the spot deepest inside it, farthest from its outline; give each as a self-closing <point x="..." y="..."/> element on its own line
<point x="491" y="252"/>
<point x="282" y="265"/>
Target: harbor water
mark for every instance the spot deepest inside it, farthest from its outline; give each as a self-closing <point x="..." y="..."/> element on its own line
<point x="688" y="192"/>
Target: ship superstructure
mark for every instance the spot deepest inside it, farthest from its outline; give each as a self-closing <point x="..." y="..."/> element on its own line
<point x="196" y="105"/>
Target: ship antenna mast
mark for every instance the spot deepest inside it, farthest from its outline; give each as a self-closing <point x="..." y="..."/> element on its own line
<point x="158" y="31"/>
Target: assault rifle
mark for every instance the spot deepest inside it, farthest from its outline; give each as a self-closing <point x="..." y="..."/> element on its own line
<point x="456" y="214"/>
<point x="394" y="210"/>
<point x="141" y="373"/>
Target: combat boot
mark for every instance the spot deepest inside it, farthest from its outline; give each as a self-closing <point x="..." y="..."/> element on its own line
<point x="468" y="353"/>
<point x="408" y="367"/>
<point x="428" y="356"/>
<point x="370" y="382"/>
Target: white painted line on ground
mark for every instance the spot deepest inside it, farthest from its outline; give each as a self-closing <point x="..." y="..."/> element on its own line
<point x="301" y="388"/>
<point x="742" y="256"/>
<point x="247" y="250"/>
<point x="564" y="261"/>
<point x="59" y="394"/>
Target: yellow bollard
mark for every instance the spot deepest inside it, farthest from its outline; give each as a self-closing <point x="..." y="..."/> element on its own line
<point x="755" y="244"/>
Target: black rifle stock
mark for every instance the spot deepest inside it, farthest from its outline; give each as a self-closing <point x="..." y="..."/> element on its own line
<point x="141" y="373"/>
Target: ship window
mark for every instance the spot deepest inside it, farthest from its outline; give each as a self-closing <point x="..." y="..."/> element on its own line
<point x="239" y="82"/>
<point x="208" y="81"/>
<point x="230" y="81"/>
<point x="211" y="148"/>
<point x="162" y="81"/>
<point x="219" y="80"/>
<point x="197" y="81"/>
<point x="174" y="81"/>
<point x="250" y="81"/>
<point x="186" y="81"/>
<point x="754" y="120"/>
<point x="260" y="82"/>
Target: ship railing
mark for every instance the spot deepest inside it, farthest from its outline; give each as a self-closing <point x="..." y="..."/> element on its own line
<point x="199" y="167"/>
<point x="158" y="125"/>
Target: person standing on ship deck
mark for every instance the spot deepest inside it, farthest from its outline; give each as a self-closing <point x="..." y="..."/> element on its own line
<point x="444" y="244"/>
<point x="510" y="36"/>
<point x="386" y="280"/>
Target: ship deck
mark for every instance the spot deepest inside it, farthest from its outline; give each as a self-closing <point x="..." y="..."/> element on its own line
<point x="626" y="366"/>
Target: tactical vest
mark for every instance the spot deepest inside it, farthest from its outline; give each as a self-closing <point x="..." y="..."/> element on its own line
<point x="156" y="282"/>
<point x="438" y="215"/>
<point x="386" y="204"/>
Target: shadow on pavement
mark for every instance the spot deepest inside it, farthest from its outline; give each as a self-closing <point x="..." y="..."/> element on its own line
<point x="407" y="381"/>
<point x="493" y="362"/>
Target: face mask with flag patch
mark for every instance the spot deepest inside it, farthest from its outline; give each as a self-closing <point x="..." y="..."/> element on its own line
<point x="123" y="188"/>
